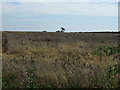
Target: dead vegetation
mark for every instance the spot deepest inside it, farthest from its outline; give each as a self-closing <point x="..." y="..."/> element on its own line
<point x="48" y="60"/>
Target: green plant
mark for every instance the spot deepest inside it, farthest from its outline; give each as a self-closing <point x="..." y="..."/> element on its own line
<point x="31" y="79"/>
<point x="111" y="79"/>
<point x="112" y="71"/>
<point x="107" y="50"/>
<point x="8" y="80"/>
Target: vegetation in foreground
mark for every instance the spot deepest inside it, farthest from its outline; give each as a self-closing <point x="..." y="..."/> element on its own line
<point x="60" y="60"/>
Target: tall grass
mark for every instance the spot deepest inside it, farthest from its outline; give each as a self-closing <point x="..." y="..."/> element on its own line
<point x="61" y="60"/>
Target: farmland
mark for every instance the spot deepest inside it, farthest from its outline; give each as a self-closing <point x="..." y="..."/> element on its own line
<point x="59" y="60"/>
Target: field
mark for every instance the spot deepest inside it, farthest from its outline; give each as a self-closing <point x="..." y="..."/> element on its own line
<point x="60" y="60"/>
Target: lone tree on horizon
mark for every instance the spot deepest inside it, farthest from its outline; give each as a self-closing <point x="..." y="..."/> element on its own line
<point x="62" y="29"/>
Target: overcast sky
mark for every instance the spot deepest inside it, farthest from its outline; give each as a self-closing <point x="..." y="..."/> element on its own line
<point x="60" y="0"/>
<point x="74" y="16"/>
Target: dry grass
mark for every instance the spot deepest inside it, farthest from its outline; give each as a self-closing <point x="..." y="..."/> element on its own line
<point x="36" y="60"/>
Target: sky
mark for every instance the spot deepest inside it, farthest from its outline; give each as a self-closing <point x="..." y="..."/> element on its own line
<point x="75" y="16"/>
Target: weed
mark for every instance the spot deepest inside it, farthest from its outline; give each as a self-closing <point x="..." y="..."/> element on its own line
<point x="8" y="80"/>
<point x="110" y="79"/>
<point x="107" y="50"/>
<point x="31" y="79"/>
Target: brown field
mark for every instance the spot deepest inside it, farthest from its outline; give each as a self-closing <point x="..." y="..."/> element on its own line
<point x="56" y="60"/>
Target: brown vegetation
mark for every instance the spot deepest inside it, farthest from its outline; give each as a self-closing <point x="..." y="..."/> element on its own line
<point x="35" y="60"/>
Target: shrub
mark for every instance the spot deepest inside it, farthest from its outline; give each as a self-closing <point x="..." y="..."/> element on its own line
<point x="110" y="79"/>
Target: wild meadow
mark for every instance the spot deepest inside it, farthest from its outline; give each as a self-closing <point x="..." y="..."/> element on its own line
<point x="60" y="60"/>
